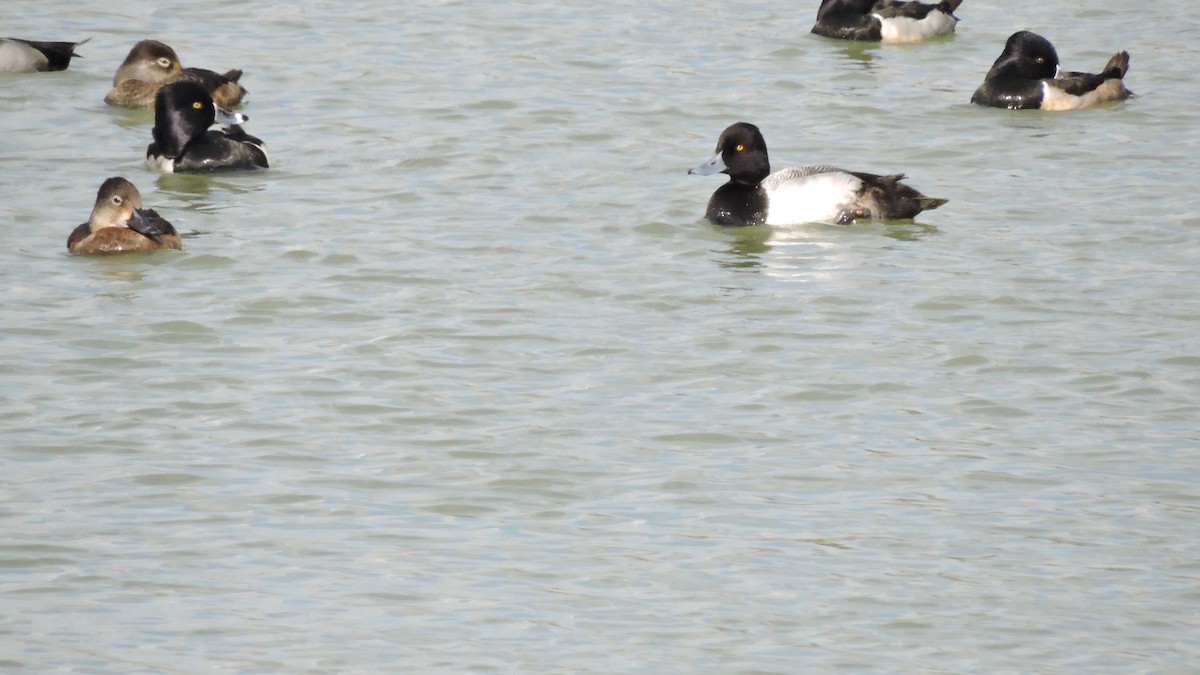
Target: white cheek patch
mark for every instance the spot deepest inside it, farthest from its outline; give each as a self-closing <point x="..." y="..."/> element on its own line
<point x="904" y="29"/>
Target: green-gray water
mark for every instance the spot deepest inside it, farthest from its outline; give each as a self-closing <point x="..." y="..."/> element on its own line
<point x="465" y="383"/>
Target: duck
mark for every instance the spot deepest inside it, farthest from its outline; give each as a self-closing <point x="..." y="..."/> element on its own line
<point x="1026" y="76"/>
<point x="183" y="141"/>
<point x="885" y="20"/>
<point x="151" y="64"/>
<point x="119" y="224"/>
<point x="32" y="56"/>
<point x="806" y="194"/>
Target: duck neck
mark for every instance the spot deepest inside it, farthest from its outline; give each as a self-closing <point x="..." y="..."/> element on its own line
<point x="737" y="204"/>
<point x="751" y="170"/>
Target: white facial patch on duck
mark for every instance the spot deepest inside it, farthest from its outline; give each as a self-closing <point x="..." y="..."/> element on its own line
<point x="905" y="29"/>
<point x="797" y="195"/>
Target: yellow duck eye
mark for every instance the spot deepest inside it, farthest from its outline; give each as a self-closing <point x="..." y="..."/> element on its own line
<point x="1040" y="59"/>
<point x="740" y="148"/>
<point x="197" y="105"/>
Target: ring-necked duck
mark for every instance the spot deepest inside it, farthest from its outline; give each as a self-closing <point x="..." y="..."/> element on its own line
<point x="151" y="64"/>
<point x="31" y="56"/>
<point x="885" y="20"/>
<point x="808" y="194"/>
<point x="183" y="142"/>
<point x="1026" y="76"/>
<point x="119" y="224"/>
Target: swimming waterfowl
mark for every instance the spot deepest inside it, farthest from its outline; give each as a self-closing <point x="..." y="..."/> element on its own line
<point x="119" y="224"/>
<point x="151" y="64"/>
<point x="1026" y="76"/>
<point x="31" y="56"/>
<point x="885" y="20"/>
<point x="807" y="194"/>
<point x="183" y="142"/>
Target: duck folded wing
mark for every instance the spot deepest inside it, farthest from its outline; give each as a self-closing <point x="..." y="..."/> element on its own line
<point x="810" y="194"/>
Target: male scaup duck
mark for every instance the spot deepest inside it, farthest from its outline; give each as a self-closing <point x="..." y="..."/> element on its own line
<point x="119" y="224"/>
<point x="183" y="142"/>
<point x="807" y="194"/>
<point x="1026" y="76"/>
<point x="31" y="56"/>
<point x="885" y="20"/>
<point x="151" y="64"/>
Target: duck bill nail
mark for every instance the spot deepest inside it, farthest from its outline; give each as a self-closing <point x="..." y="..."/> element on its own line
<point x="229" y="118"/>
<point x="713" y="165"/>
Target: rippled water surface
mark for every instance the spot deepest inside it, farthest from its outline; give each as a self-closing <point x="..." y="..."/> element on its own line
<point x="465" y="383"/>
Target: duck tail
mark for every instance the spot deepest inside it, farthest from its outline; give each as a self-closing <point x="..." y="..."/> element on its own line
<point x="1116" y="67"/>
<point x="948" y="6"/>
<point x="895" y="200"/>
<point x="58" y="54"/>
